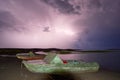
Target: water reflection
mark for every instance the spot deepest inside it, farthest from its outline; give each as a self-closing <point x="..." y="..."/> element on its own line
<point x="108" y="60"/>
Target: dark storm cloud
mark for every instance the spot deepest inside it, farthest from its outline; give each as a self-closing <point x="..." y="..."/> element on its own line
<point x="102" y="27"/>
<point x="63" y="6"/>
<point x="15" y="14"/>
<point x="94" y="4"/>
<point x="8" y="21"/>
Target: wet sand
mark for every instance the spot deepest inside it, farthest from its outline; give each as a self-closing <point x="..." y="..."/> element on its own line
<point x="12" y="69"/>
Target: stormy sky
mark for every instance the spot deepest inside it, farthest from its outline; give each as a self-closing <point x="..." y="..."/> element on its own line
<point x="81" y="24"/>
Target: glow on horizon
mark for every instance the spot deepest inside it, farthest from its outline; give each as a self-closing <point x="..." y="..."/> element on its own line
<point x="61" y="36"/>
<point x="65" y="31"/>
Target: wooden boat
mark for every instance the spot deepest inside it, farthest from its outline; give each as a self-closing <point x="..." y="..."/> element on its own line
<point x="52" y="63"/>
<point x="30" y="56"/>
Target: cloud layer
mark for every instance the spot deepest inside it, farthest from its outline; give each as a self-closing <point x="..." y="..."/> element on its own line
<point x="94" y="23"/>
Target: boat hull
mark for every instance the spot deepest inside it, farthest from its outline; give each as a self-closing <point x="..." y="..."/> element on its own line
<point x="49" y="68"/>
<point x="26" y="56"/>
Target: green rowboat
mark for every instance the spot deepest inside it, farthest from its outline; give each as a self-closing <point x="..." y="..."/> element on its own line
<point x="53" y="63"/>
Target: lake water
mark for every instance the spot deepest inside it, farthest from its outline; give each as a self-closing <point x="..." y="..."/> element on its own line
<point x="107" y="60"/>
<point x="12" y="69"/>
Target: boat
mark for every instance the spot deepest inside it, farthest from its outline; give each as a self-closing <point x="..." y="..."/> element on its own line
<point x="30" y="56"/>
<point x="53" y="63"/>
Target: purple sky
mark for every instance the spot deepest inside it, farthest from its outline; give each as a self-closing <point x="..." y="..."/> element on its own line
<point x="82" y="24"/>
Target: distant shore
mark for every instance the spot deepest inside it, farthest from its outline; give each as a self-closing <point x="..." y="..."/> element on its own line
<point x="63" y="51"/>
